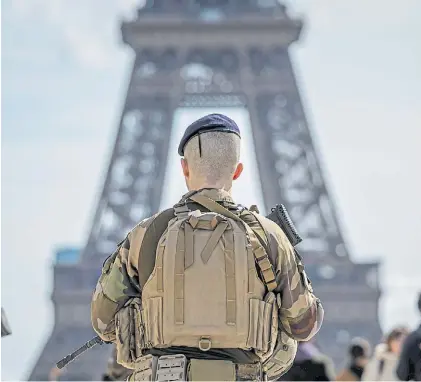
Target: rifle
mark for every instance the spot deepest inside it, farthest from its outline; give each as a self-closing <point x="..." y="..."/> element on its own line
<point x="278" y="214"/>
<point x="72" y="356"/>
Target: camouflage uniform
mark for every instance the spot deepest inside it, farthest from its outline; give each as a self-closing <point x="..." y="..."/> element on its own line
<point x="301" y="312"/>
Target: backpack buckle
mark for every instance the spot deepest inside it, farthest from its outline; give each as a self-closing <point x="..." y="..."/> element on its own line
<point x="181" y="209"/>
<point x="205" y="343"/>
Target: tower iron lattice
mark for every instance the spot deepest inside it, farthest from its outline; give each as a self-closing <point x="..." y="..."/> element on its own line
<point x="208" y="54"/>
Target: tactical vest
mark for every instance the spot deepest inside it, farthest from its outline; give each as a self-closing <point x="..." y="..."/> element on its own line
<point x="201" y="288"/>
<point x="204" y="290"/>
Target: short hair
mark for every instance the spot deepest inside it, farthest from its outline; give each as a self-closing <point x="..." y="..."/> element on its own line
<point x="395" y="334"/>
<point x="359" y="347"/>
<point x="213" y="156"/>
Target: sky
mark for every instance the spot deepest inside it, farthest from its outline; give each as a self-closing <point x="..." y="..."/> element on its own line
<point x="64" y="77"/>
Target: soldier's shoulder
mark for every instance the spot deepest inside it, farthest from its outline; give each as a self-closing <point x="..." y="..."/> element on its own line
<point x="273" y="230"/>
<point x="267" y="224"/>
<point x="143" y="225"/>
<point x="147" y="221"/>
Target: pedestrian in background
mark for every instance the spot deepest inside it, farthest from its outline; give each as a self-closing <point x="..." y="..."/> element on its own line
<point x="359" y="355"/>
<point x="382" y="366"/>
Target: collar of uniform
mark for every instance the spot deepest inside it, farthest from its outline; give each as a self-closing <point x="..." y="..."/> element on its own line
<point x="216" y="194"/>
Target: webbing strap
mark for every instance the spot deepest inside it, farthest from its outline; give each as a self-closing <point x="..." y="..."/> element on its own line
<point x="193" y="221"/>
<point x="262" y="238"/>
<point x="159" y="270"/>
<point x="259" y="252"/>
<point x="252" y="269"/>
<point x="213" y="241"/>
<point x="203" y="224"/>
<point x="213" y="206"/>
<point x="181" y="209"/>
<point x="179" y="278"/>
<point x="188" y="240"/>
<point x="231" y="313"/>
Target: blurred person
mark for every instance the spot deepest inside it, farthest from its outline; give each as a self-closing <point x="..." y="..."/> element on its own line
<point x="409" y="365"/>
<point x="382" y="366"/>
<point x="359" y="355"/>
<point x="310" y="364"/>
<point x="183" y="262"/>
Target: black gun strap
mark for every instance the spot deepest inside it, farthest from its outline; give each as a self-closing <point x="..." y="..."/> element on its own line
<point x="147" y="252"/>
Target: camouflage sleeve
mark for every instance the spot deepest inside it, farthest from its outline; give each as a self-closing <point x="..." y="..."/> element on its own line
<point x="117" y="284"/>
<point x="301" y="313"/>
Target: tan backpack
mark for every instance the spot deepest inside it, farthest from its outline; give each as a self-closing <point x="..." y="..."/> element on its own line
<point x="204" y="291"/>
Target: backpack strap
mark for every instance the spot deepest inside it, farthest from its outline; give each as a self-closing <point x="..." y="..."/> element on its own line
<point x="261" y="235"/>
<point x="147" y="252"/>
<point x="213" y="241"/>
<point x="259" y="252"/>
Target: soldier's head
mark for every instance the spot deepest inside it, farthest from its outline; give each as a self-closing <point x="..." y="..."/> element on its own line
<point x="211" y="153"/>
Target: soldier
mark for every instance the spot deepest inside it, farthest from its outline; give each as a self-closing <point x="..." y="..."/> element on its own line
<point x="206" y="284"/>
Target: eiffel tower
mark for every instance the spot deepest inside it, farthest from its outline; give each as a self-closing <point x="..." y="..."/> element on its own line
<point x="217" y="53"/>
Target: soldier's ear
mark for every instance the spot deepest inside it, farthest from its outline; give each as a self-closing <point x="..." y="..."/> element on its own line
<point x="238" y="171"/>
<point x="185" y="167"/>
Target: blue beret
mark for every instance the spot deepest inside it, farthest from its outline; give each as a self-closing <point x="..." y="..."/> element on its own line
<point x="211" y="122"/>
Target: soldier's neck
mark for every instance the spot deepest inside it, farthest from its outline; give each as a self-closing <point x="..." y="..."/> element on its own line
<point x="199" y="186"/>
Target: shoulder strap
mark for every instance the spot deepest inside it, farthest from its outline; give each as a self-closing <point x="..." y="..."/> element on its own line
<point x="259" y="252"/>
<point x="264" y="239"/>
<point x="149" y="244"/>
<point x="297" y="255"/>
